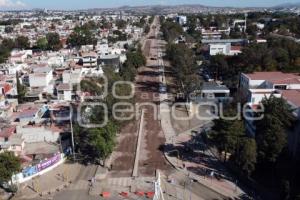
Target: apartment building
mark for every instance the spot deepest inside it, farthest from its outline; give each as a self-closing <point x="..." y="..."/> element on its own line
<point x="260" y="85"/>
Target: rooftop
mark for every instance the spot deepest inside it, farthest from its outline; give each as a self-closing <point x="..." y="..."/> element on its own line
<point x="213" y="86"/>
<point x="42" y="69"/>
<point x="276" y="77"/>
<point x="293" y="96"/>
<point x="7" y="131"/>
<point x="64" y="87"/>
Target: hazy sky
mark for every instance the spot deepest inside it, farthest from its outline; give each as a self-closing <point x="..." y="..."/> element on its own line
<point x="80" y="4"/>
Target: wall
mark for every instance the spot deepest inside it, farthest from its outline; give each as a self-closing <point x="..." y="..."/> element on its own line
<point x="215" y="49"/>
<point x="37" y="80"/>
<point x="254" y="83"/>
<point x="259" y="97"/>
<point x="37" y="171"/>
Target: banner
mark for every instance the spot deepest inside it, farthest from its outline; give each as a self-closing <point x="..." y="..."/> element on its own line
<point x="47" y="163"/>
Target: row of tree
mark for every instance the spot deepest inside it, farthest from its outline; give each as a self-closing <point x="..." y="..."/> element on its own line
<point x="262" y="153"/>
<point x="184" y="66"/>
<point x="98" y="143"/>
<point x="81" y="35"/>
<point x="170" y="29"/>
<point x="50" y="42"/>
<point x="21" y="42"/>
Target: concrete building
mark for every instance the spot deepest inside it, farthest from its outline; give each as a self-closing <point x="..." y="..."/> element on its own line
<point x="88" y="61"/>
<point x="64" y="92"/>
<point x="102" y="48"/>
<point x="215" y="91"/>
<point x="9" y="141"/>
<point x="110" y="60"/>
<point x="224" y="49"/>
<point x="40" y="77"/>
<point x="72" y="76"/>
<point x="260" y="85"/>
<point x="182" y="20"/>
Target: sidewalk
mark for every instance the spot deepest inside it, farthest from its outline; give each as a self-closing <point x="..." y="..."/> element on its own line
<point x="223" y="187"/>
<point x="49" y="183"/>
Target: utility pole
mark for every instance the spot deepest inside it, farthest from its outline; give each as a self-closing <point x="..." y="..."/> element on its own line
<point x="72" y="134"/>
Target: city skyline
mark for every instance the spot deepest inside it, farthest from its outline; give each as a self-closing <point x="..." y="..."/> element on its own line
<point x="78" y="4"/>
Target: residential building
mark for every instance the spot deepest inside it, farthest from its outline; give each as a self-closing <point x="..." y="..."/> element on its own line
<point x="41" y="76"/>
<point x="225" y="49"/>
<point x="182" y="20"/>
<point x="215" y="91"/>
<point x="64" y="92"/>
<point x="260" y="85"/>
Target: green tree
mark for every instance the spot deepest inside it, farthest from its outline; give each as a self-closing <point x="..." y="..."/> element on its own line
<point x="227" y="133"/>
<point x="9" y="29"/>
<point x="22" y="42"/>
<point x="102" y="140"/>
<point x="245" y="155"/>
<point x="171" y="30"/>
<point x="96" y="143"/>
<point x="285" y="190"/>
<point x="219" y="65"/>
<point x="147" y="29"/>
<point x="42" y="43"/>
<point x="271" y="136"/>
<point x="184" y="66"/>
<point x="9" y="165"/>
<point x="21" y="89"/>
<point x="5" y="48"/>
<point x="53" y="41"/>
<point x="121" y="24"/>
<point x="81" y="36"/>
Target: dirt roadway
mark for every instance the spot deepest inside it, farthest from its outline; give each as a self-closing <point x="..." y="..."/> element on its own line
<point x="151" y="156"/>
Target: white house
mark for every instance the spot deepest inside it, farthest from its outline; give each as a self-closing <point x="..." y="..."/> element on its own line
<point x="215" y="49"/>
<point x="19" y="56"/>
<point x="41" y="77"/>
<point x="64" y="92"/>
<point x="72" y="76"/>
<point x="212" y="90"/>
<point x="260" y="85"/>
<point x="182" y="20"/>
<point x="102" y="48"/>
<point x="224" y="48"/>
<point x="55" y="61"/>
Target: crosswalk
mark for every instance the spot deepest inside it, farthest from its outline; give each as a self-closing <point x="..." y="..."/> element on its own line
<point x="80" y="185"/>
<point x="128" y="181"/>
<point x="122" y="182"/>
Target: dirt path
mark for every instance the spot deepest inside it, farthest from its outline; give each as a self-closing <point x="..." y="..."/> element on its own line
<point x="151" y="154"/>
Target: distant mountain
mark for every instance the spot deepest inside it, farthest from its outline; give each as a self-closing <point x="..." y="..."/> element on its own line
<point x="184" y="8"/>
<point x="288" y="5"/>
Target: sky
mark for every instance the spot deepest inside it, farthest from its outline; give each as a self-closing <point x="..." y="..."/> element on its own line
<point x="83" y="4"/>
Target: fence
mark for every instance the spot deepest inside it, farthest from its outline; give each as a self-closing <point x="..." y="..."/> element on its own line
<point x="158" y="191"/>
<point x="39" y="169"/>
